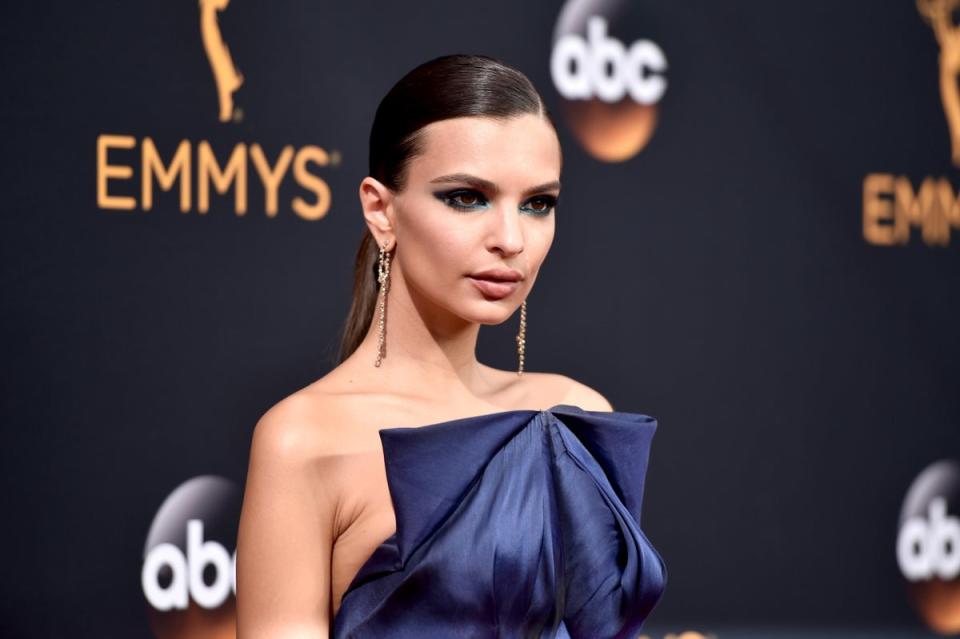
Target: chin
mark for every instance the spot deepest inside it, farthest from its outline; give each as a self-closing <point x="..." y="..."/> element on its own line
<point x="492" y="312"/>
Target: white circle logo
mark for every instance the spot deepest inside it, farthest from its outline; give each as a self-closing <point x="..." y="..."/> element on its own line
<point x="189" y="572"/>
<point x="928" y="545"/>
<point x="602" y="67"/>
<point x="610" y="87"/>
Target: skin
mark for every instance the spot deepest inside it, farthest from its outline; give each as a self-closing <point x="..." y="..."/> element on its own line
<point x="316" y="502"/>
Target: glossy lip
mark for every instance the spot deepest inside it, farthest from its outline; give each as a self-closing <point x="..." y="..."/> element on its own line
<point x="499" y="275"/>
<point x="494" y="289"/>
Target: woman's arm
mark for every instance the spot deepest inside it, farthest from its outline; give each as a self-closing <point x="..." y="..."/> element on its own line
<point x="286" y="532"/>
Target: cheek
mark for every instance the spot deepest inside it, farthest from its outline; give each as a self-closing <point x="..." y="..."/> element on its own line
<point x="436" y="243"/>
<point x="538" y="245"/>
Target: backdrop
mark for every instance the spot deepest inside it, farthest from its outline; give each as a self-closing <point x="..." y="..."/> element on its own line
<point x="758" y="244"/>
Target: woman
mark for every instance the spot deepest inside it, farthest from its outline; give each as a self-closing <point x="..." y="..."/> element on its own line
<point x="474" y="525"/>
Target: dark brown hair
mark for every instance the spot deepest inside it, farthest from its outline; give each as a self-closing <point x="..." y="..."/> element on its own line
<point x="446" y="87"/>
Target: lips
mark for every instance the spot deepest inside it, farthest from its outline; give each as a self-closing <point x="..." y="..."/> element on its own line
<point x="492" y="288"/>
<point x="497" y="283"/>
<point x="499" y="275"/>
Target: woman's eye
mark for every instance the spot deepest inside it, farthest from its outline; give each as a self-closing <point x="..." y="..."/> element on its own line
<point x="468" y="199"/>
<point x="541" y="205"/>
<point x="463" y="199"/>
<point x="471" y="200"/>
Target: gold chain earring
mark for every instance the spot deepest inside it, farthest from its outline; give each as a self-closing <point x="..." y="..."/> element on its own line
<point x="522" y="335"/>
<point x="383" y="277"/>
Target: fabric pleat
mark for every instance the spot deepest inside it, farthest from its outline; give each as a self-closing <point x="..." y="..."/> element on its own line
<point x="518" y="524"/>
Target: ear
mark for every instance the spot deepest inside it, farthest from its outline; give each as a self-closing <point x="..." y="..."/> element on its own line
<point x="377" y="203"/>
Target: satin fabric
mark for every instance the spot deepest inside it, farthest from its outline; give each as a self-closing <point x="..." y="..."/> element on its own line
<point x="521" y="523"/>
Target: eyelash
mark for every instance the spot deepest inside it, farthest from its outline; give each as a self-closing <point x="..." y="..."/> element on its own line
<point x="450" y="199"/>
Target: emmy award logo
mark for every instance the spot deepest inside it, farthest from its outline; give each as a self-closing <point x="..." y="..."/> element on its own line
<point x="225" y="74"/>
<point x="939" y="13"/>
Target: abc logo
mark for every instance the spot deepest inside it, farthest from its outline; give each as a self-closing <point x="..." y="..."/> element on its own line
<point x="610" y="90"/>
<point x="580" y="67"/>
<point x="928" y="545"/>
<point x="928" y="548"/>
<point x="188" y="574"/>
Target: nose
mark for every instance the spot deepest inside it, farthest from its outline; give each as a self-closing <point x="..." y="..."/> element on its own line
<point x="505" y="234"/>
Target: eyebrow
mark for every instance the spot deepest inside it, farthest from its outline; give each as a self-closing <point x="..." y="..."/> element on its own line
<point x="487" y="185"/>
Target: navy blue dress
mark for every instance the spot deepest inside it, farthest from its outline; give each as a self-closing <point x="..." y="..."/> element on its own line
<point x="521" y="523"/>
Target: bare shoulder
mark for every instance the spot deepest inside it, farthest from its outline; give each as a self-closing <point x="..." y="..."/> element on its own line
<point x="305" y="425"/>
<point x="586" y="397"/>
<point x="289" y="520"/>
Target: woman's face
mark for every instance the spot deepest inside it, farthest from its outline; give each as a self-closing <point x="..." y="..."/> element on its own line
<point x="480" y="196"/>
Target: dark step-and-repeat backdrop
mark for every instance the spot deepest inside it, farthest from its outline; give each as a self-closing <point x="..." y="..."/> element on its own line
<point x="759" y="245"/>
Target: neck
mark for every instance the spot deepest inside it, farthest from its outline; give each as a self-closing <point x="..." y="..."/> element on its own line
<point x="427" y="348"/>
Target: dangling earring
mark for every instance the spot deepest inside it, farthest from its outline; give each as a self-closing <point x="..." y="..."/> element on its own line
<point x="522" y="335"/>
<point x="383" y="277"/>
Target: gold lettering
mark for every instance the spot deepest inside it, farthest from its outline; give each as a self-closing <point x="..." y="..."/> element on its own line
<point x="908" y="210"/>
<point x="156" y="172"/>
<point x="271" y="178"/>
<point x="932" y="208"/>
<point x="878" y="211"/>
<point x="209" y="169"/>
<point x="152" y="164"/>
<point x="311" y="182"/>
<point x="936" y="222"/>
<point x="106" y="171"/>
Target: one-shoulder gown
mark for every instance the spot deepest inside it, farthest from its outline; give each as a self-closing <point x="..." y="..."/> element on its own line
<point x="517" y="524"/>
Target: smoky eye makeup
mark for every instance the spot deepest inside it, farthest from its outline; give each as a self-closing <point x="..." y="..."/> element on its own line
<point x="464" y="199"/>
<point x="541" y="204"/>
